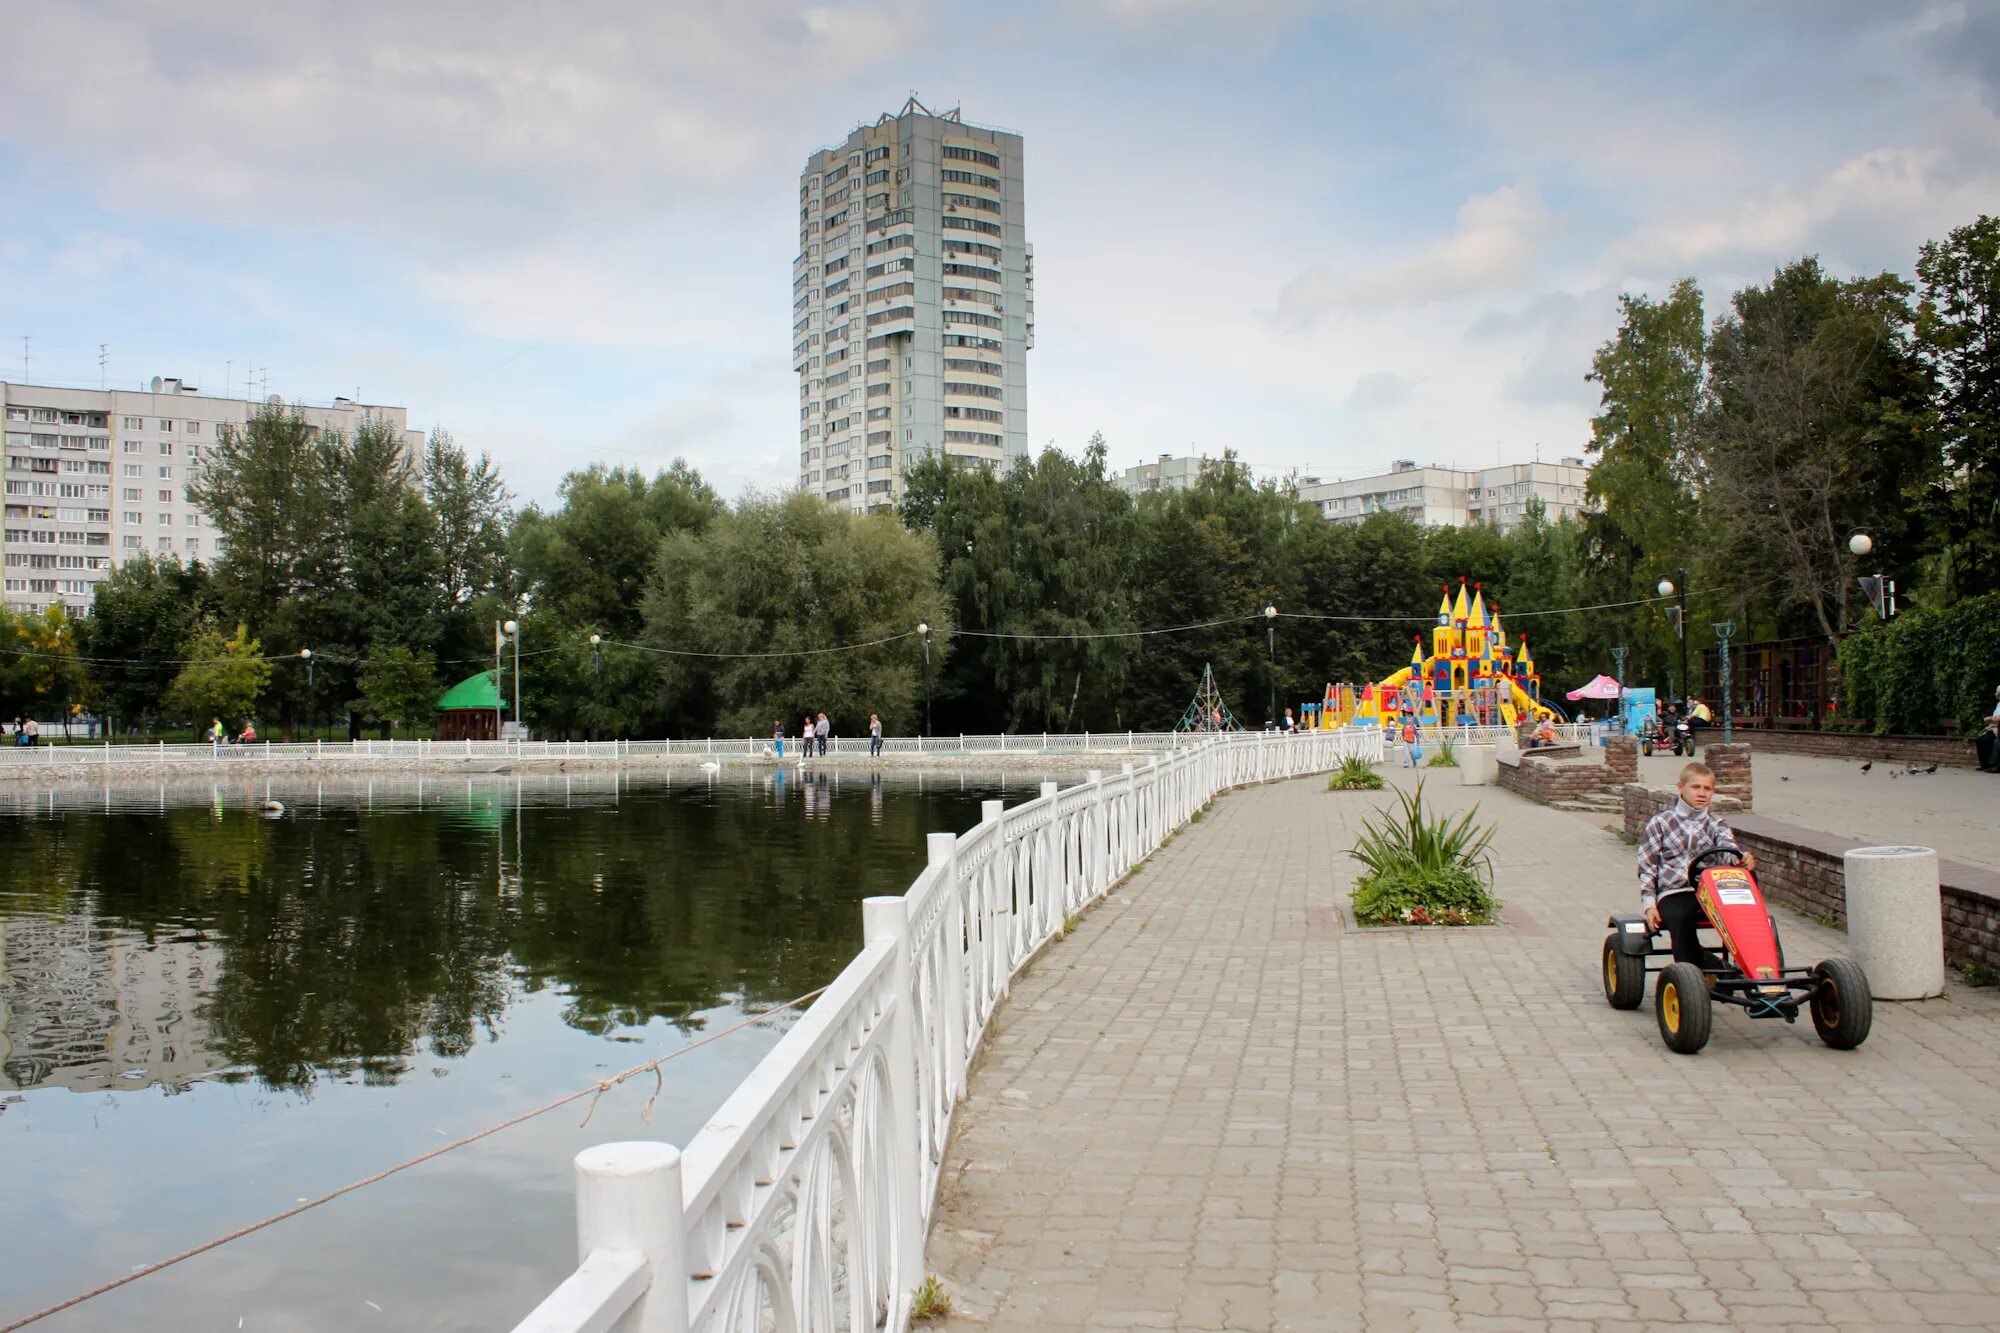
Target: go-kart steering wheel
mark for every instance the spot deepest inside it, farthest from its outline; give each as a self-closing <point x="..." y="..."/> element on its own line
<point x="1700" y="861"/>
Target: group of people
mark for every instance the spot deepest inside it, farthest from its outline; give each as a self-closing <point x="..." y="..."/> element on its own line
<point x="814" y="731"/>
<point x="25" y="731"/>
<point x="217" y="734"/>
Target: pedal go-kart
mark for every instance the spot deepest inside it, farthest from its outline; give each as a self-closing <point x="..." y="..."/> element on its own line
<point x="1753" y="977"/>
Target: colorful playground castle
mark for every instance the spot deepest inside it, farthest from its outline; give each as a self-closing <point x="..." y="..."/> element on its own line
<point x="1472" y="676"/>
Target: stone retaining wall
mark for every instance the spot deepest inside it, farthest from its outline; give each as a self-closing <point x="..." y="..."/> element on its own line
<point x="1551" y="780"/>
<point x="1857" y="746"/>
<point x="1804" y="869"/>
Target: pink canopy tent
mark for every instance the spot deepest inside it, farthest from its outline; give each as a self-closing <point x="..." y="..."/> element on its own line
<point x="1600" y="687"/>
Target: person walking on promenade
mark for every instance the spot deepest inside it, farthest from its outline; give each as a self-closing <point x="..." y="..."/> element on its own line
<point x="778" y="737"/>
<point x="34" y="732"/>
<point x="215" y="731"/>
<point x="1988" y="743"/>
<point x="1287" y="724"/>
<point x="1413" y="752"/>
<point x="806" y="737"/>
<point x="874" y="735"/>
<point x="820" y="731"/>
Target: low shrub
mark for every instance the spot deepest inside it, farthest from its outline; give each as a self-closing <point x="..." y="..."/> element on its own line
<point x="1424" y="868"/>
<point x="1444" y="758"/>
<point x="1354" y="774"/>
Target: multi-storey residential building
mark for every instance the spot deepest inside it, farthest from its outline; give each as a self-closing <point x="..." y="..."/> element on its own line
<point x="96" y="475"/>
<point x="1169" y="474"/>
<point x="1444" y="496"/>
<point x="913" y="304"/>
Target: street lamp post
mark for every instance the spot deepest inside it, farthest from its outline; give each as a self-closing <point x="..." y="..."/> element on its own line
<point x="924" y="629"/>
<point x="1723" y="632"/>
<point x="1668" y="589"/>
<point x="306" y="656"/>
<point x="597" y="670"/>
<point x="499" y="665"/>
<point x="1271" y="649"/>
<point x="1618" y="664"/>
<point x="513" y="628"/>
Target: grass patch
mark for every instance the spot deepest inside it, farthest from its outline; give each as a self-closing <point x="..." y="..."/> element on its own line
<point x="931" y="1301"/>
<point x="1423" y="868"/>
<point x="1354" y="774"/>
<point x="1444" y="758"/>
<point x="1980" y="975"/>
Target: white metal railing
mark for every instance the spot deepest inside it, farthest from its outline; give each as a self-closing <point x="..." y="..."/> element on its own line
<point x="71" y="757"/>
<point x="803" y="1204"/>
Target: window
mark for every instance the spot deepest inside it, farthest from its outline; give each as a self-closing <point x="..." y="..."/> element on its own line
<point x="968" y="178"/>
<point x="17" y="414"/>
<point x="191" y="427"/>
<point x="958" y="365"/>
<point x="133" y="447"/>
<point x="875" y="155"/>
<point x="131" y="543"/>
<point x="167" y="447"/>
<point x="135" y="469"/>
<point x="972" y="224"/>
<point x="971" y="294"/>
<point x="879" y="200"/>
<point x="166" y="473"/>
<point x="966" y="317"/>
<point x="135" y="423"/>
<point x="900" y="312"/>
<point x="166" y="497"/>
<point x="892" y="291"/>
<point x="971" y="271"/>
<point x="971" y="201"/>
<point x="133" y="518"/>
<point x="971" y="437"/>
<point x="877" y="177"/>
<point x="166" y="425"/>
<point x="165" y="544"/>
<point x="193" y="545"/>
<point x="45" y="414"/>
<point x="954" y="153"/>
<point x="982" y="390"/>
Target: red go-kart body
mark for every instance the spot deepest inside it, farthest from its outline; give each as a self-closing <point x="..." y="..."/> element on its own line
<point x="1734" y="906"/>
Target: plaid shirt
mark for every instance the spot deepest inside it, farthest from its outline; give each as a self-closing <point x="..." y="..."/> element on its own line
<point x="1672" y="838"/>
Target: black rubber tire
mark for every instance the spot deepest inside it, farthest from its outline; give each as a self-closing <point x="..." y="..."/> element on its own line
<point x="1681" y="1004"/>
<point x="1843" y="1009"/>
<point x="1647" y="748"/>
<point x="1624" y="976"/>
<point x="1778" y="940"/>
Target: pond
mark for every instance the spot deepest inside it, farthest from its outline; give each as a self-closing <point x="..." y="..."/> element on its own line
<point x="209" y="1013"/>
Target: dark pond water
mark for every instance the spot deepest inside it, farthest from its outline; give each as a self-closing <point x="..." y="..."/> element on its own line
<point x="207" y="1015"/>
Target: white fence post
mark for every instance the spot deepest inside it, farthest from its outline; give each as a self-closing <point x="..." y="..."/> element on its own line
<point x="889" y="919"/>
<point x="943" y="851"/>
<point x="628" y="1197"/>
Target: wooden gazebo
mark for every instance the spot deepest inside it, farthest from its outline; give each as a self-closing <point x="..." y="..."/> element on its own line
<point x="470" y="710"/>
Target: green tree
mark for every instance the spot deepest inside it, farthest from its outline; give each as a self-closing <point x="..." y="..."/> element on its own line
<point x="399" y="685"/>
<point x="271" y="490"/>
<point x="468" y="504"/>
<point x="1032" y="557"/>
<point x="140" y="615"/>
<point x="589" y="560"/>
<point x="1958" y="339"/>
<point x="223" y="677"/>
<point x="1814" y="424"/>
<point x="765" y="586"/>
<point x="1646" y="521"/>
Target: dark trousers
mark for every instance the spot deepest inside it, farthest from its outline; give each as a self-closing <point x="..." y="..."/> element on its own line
<point x="1988" y="746"/>
<point x="1679" y="913"/>
<point x="822" y="745"/>
<point x="874" y="745"/>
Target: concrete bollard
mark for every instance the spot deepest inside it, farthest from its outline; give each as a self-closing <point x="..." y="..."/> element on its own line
<point x="1895" y="921"/>
<point x="1478" y="765"/>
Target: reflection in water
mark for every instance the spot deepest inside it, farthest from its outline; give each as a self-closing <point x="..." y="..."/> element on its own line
<point x="177" y="933"/>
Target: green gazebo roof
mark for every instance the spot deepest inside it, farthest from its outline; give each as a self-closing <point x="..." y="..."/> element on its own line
<point x="478" y="693"/>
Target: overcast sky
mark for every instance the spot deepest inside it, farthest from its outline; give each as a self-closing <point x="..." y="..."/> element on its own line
<point x="1326" y="236"/>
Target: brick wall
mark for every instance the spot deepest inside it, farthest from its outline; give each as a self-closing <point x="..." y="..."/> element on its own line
<point x="1621" y="759"/>
<point x="1853" y="745"/>
<point x="1551" y="780"/>
<point x="1732" y="771"/>
<point x="1804" y="869"/>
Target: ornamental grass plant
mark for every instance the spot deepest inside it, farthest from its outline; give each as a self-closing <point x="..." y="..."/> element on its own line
<point x="1424" y="868"/>
<point x="1445" y="756"/>
<point x="1354" y="774"/>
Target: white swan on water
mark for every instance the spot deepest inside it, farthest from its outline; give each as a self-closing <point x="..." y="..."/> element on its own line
<point x="710" y="766"/>
<point x="270" y="807"/>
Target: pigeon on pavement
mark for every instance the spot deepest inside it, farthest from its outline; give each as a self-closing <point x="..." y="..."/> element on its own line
<point x="1866" y="765"/>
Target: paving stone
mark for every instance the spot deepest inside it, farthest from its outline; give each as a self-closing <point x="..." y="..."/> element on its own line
<point x="1230" y="1117"/>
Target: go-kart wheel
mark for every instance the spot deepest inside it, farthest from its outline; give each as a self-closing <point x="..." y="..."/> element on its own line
<point x="1680" y="1002"/>
<point x="1624" y="976"/>
<point x="1647" y="748"/>
<point x="1842" y="1008"/>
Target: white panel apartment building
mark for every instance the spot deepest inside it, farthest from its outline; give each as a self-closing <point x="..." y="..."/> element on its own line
<point x="913" y="304"/>
<point x="94" y="476"/>
<point x="1444" y="496"/>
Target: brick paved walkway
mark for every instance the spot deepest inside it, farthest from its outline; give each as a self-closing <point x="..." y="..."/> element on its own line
<point x="1212" y="1107"/>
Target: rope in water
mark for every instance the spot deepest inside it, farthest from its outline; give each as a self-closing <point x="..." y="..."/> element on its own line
<point x="595" y="1091"/>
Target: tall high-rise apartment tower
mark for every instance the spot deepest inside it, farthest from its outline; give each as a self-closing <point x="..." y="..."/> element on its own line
<point x="913" y="304"/>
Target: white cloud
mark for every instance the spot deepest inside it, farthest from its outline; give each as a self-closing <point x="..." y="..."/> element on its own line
<point x="565" y="296"/>
<point x="1499" y="238"/>
<point x="1381" y="388"/>
<point x="94" y="254"/>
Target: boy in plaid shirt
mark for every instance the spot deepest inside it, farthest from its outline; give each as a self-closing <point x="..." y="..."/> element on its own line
<point x="1671" y="840"/>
